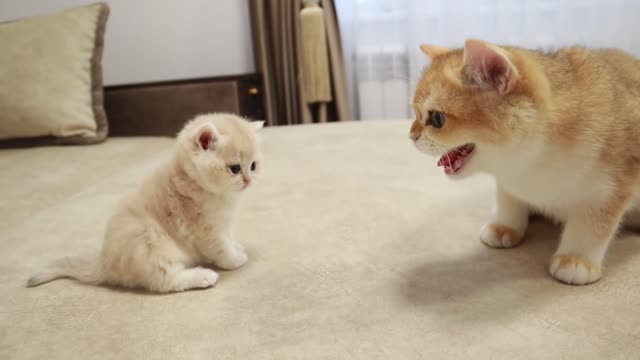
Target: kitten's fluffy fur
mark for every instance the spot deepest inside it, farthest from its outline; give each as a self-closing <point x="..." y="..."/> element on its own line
<point x="181" y="216"/>
<point x="559" y="132"/>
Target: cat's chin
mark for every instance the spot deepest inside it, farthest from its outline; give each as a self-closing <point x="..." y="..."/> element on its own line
<point x="456" y="160"/>
<point x="239" y="189"/>
<point x="461" y="175"/>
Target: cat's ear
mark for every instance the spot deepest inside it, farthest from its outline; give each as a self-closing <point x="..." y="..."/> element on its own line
<point x="488" y="66"/>
<point x="206" y="137"/>
<point x="433" y="50"/>
<point x="257" y="125"/>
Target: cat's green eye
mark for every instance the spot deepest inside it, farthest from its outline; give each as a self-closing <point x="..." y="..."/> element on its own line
<point x="436" y="119"/>
<point x="235" y="169"/>
<point x="253" y="166"/>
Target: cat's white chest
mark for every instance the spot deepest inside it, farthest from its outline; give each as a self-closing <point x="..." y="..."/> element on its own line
<point x="207" y="222"/>
<point x="554" y="182"/>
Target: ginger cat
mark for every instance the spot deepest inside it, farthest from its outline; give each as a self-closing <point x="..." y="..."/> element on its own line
<point x="180" y="218"/>
<point x="559" y="132"/>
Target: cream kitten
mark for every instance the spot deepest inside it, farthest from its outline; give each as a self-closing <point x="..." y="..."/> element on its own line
<point x="559" y="132"/>
<point x="180" y="218"/>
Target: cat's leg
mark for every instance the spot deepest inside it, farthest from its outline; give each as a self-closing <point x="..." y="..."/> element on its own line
<point x="225" y="252"/>
<point x="157" y="273"/>
<point x="509" y="224"/>
<point x="180" y="279"/>
<point x="584" y="242"/>
<point x="142" y="255"/>
<point x="163" y="270"/>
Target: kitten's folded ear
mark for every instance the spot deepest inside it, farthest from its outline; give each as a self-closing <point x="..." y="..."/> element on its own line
<point x="488" y="66"/>
<point x="257" y="125"/>
<point x="206" y="136"/>
<point x="433" y="50"/>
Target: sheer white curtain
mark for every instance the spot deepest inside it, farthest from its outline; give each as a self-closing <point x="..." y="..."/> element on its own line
<point x="381" y="37"/>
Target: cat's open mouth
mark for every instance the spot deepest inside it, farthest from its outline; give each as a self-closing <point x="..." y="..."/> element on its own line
<point x="455" y="159"/>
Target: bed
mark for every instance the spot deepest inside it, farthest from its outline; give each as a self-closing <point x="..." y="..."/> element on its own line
<point x="359" y="248"/>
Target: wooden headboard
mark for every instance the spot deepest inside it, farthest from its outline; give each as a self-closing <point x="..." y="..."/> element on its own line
<point x="162" y="108"/>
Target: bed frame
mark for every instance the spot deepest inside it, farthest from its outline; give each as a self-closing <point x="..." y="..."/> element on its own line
<point x="161" y="108"/>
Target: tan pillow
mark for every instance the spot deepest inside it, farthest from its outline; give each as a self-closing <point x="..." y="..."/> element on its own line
<point x="51" y="78"/>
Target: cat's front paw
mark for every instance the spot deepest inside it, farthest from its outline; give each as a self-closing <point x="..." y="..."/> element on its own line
<point x="204" y="278"/>
<point x="239" y="247"/>
<point x="234" y="258"/>
<point x="499" y="236"/>
<point x="574" y="270"/>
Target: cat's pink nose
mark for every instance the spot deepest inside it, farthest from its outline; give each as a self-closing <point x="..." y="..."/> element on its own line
<point x="247" y="180"/>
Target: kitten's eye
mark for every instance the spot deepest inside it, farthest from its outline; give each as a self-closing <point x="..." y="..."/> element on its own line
<point x="235" y="169"/>
<point x="253" y="166"/>
<point x="436" y="119"/>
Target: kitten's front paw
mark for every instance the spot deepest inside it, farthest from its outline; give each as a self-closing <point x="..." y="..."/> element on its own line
<point x="499" y="236"/>
<point x="202" y="278"/>
<point x="239" y="247"/>
<point x="574" y="270"/>
<point x="233" y="259"/>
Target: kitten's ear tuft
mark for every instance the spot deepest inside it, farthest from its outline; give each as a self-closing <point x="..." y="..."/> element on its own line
<point x="488" y="66"/>
<point x="207" y="136"/>
<point x="257" y="125"/>
<point x="433" y="50"/>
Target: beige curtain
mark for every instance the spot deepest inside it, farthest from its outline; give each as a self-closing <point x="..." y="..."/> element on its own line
<point x="278" y="50"/>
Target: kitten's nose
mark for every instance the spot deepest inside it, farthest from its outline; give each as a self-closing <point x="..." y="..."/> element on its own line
<point x="247" y="180"/>
<point x="415" y="131"/>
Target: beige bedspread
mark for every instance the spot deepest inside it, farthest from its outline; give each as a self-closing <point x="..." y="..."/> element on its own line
<point x="359" y="249"/>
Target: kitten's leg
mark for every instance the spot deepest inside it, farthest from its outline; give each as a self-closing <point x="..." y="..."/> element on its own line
<point x="586" y="236"/>
<point x="176" y="278"/>
<point x="159" y="274"/>
<point x="192" y="278"/>
<point x="509" y="224"/>
<point x="225" y="252"/>
<point x="152" y="261"/>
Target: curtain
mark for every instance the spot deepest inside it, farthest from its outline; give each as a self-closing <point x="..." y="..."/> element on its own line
<point x="280" y="60"/>
<point x="381" y="37"/>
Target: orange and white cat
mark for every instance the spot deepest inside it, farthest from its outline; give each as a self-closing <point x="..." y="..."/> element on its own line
<point x="180" y="219"/>
<point x="560" y="132"/>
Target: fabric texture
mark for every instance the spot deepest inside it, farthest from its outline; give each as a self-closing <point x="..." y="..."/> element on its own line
<point x="51" y="78"/>
<point x="359" y="248"/>
<point x="278" y="50"/>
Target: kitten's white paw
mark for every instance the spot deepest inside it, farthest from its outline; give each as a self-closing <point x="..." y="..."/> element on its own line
<point x="233" y="260"/>
<point x="239" y="247"/>
<point x="574" y="270"/>
<point x="204" y="278"/>
<point x="499" y="236"/>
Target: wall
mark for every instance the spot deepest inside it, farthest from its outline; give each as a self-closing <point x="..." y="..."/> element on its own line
<point x="154" y="40"/>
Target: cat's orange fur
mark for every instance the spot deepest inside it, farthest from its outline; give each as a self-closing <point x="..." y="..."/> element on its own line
<point x="559" y="131"/>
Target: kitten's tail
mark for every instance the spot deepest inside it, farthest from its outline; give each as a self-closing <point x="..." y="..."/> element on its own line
<point x="83" y="270"/>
